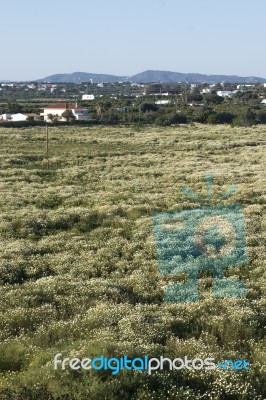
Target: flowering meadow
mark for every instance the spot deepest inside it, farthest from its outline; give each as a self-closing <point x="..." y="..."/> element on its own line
<point x="79" y="271"/>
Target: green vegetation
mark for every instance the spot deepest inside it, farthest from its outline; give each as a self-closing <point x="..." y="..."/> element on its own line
<point x="151" y="104"/>
<point x="78" y="267"/>
<point x="68" y="115"/>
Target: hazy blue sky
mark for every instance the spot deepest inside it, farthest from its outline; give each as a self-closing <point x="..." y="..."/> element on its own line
<point x="40" y="38"/>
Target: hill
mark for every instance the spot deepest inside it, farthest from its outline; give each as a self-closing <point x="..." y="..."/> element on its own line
<point x="169" y="76"/>
<point x="150" y="76"/>
<point x="78" y="77"/>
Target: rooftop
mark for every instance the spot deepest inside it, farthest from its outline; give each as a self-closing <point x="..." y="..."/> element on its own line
<point x="64" y="106"/>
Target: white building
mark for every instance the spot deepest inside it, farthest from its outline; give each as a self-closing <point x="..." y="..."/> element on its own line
<point x="6" y="117"/>
<point x="58" y="109"/>
<point x="19" y="117"/>
<point x="193" y="86"/>
<point x="245" y="87"/>
<point x="162" y="101"/>
<point x="88" y="97"/>
<point x="31" y="86"/>
<point x="226" y="93"/>
<point x="206" y="90"/>
<point x="13" y="117"/>
<point x="263" y="101"/>
<point x="160" y="94"/>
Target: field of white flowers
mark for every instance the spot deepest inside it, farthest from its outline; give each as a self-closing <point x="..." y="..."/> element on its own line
<point x="78" y="267"/>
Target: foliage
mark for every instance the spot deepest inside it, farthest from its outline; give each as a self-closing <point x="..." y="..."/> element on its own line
<point x="213" y="98"/>
<point x="68" y="115"/>
<point x="194" y="97"/>
<point x="148" y="107"/>
<point x="220" y="118"/>
<point x="13" y="107"/>
<point x="245" y="118"/>
<point x="78" y="265"/>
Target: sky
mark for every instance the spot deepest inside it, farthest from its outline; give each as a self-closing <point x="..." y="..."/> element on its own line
<point x="41" y="38"/>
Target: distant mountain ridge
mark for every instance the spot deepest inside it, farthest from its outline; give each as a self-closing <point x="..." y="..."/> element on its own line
<point x="170" y="77"/>
<point x="150" y="76"/>
<point x="78" y="77"/>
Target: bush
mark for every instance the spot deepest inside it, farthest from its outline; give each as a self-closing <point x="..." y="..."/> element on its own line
<point x="220" y="118"/>
<point x="213" y="98"/>
<point x="177" y="119"/>
<point x="261" y="117"/>
<point x="246" y="118"/>
<point x="148" y="107"/>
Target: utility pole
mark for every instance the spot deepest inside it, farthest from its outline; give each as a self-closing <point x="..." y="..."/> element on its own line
<point x="47" y="147"/>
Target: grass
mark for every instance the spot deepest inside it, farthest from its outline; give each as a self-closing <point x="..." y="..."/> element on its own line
<point x="78" y="266"/>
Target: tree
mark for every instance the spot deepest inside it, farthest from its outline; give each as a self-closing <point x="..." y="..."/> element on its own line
<point x="220" y="118"/>
<point x="154" y="88"/>
<point x="52" y="117"/>
<point x="13" y="107"/>
<point x="30" y="118"/>
<point x="213" y="98"/>
<point x="148" y="107"/>
<point x="245" y="118"/>
<point x="194" y="97"/>
<point x="177" y="119"/>
<point x="261" y="117"/>
<point x="68" y="115"/>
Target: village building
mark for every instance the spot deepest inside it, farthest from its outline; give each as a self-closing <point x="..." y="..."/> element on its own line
<point x="162" y="101"/>
<point x="19" y="117"/>
<point x="56" y="110"/>
<point x="13" y="117"/>
<point x="227" y="93"/>
<point x="88" y="97"/>
<point x="5" y="117"/>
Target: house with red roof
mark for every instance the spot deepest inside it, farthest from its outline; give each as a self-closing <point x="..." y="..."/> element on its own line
<point x="56" y="110"/>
